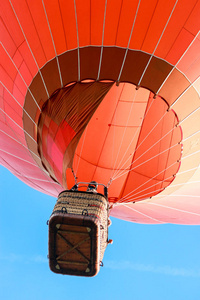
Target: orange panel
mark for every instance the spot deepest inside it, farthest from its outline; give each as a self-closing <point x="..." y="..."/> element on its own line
<point x="54" y="16"/>
<point x="193" y="22"/>
<point x="67" y="13"/>
<point x="40" y="22"/>
<point x="157" y="24"/>
<point x="156" y="155"/>
<point x="15" y="119"/>
<point x="29" y="60"/>
<point x="175" y="84"/>
<point x="10" y="103"/>
<point x="11" y="24"/>
<point x="129" y="93"/>
<point x="180" y="45"/>
<point x="173" y="43"/>
<point x="7" y="67"/>
<point x="118" y="148"/>
<point x="97" y="20"/>
<point x="29" y="29"/>
<point x="23" y="69"/>
<point x="127" y="17"/>
<point x="142" y="23"/>
<point x="190" y="63"/>
<point x="181" y="106"/>
<point x="63" y="118"/>
<point x="19" y="82"/>
<point x="6" y="40"/>
<point x="85" y="171"/>
<point x="102" y="141"/>
<point x="83" y="10"/>
<point x="113" y="9"/>
<point x="28" y="65"/>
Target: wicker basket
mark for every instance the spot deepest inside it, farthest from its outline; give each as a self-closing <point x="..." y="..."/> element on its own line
<point x="78" y="233"/>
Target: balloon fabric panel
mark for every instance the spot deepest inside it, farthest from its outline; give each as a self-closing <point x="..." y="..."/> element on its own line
<point x="141" y="137"/>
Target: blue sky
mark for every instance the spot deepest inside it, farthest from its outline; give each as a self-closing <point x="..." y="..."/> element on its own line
<point x="158" y="262"/>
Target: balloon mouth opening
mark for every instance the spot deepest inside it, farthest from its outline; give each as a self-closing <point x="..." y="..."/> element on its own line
<point x="78" y="123"/>
<point x="77" y="126"/>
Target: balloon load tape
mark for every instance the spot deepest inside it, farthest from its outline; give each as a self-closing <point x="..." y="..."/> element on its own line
<point x="78" y="233"/>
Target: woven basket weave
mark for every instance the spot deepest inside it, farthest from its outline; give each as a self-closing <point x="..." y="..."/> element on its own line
<point x="87" y="207"/>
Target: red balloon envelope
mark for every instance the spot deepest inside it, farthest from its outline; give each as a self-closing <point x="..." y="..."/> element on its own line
<point x="105" y="90"/>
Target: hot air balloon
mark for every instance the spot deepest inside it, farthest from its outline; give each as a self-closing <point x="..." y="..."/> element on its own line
<point x="105" y="91"/>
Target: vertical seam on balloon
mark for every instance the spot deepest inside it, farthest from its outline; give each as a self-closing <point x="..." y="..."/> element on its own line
<point x="120" y="172"/>
<point x="127" y="48"/>
<point x="173" y="208"/>
<point x="121" y="166"/>
<point x="190" y="136"/>
<point x="162" y="125"/>
<point x="126" y="126"/>
<point x="174" y="67"/>
<point x="118" y="22"/>
<point x="18" y="72"/>
<point x="78" y="48"/>
<point x="62" y="23"/>
<point x="44" y="172"/>
<point x="14" y="132"/>
<point x="152" y="147"/>
<point x="149" y="24"/>
<point x="36" y="30"/>
<point x="101" y="54"/>
<point x="11" y="154"/>
<point x="59" y="71"/>
<point x="125" y="197"/>
<point x="170" y="186"/>
<point x="168" y="154"/>
<point x="17" y="49"/>
<point x="39" y="179"/>
<point x="32" y="183"/>
<point x="194" y="63"/>
<point x="185" y="91"/>
<point x="143" y="214"/>
<point x="152" y="55"/>
<point x="127" y="169"/>
<point x="114" y="134"/>
<point x="18" y="103"/>
<point x="85" y="132"/>
<point x="20" y="174"/>
<point x="192" y="169"/>
<point x="159" y="183"/>
<point x="139" y="128"/>
<point x="183" y="27"/>
<point x="147" y="160"/>
<point x="17" y="46"/>
<point x="188" y="116"/>
<point x="30" y="49"/>
<point x="178" y="184"/>
<point x="151" y="131"/>
<point x="17" y="124"/>
<point x="3" y="106"/>
<point x="134" y="197"/>
<point x="113" y="117"/>
<point x="19" y="143"/>
<point x="189" y="155"/>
